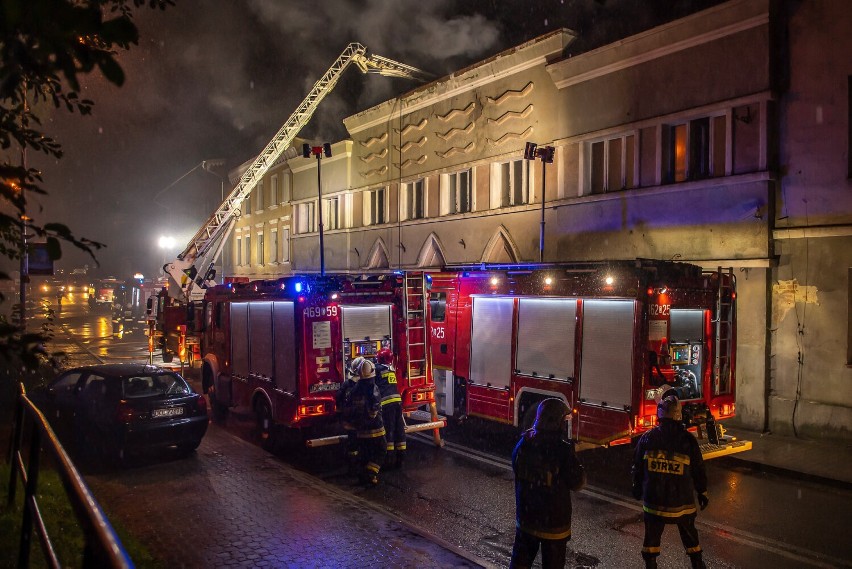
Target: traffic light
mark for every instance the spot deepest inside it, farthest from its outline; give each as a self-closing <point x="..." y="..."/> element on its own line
<point x="306" y="150"/>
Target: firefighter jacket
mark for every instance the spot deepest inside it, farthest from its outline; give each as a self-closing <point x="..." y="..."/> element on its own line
<point x="667" y="468"/>
<point x="364" y="409"/>
<point x="386" y="382"/>
<point x="344" y="406"/>
<point x="546" y="470"/>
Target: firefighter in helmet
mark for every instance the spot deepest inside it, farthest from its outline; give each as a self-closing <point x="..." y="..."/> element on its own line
<point x="667" y="469"/>
<point x="363" y="409"/>
<point x="391" y="408"/>
<point x="346" y="409"/>
<point x="546" y="471"/>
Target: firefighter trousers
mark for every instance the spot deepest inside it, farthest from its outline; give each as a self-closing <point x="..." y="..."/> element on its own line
<point x="394" y="433"/>
<point x="372" y="449"/>
<point x="654" y="526"/>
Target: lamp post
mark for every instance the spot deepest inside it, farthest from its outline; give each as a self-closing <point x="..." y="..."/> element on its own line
<point x="545" y="153"/>
<point x="319" y="152"/>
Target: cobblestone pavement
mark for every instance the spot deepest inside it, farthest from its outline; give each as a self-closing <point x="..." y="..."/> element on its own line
<point x="234" y="505"/>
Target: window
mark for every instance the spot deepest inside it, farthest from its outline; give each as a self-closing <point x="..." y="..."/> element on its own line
<point x="259" y="193"/>
<point x="374" y="207"/>
<point x="260" y="255"/>
<point x="273" y="247"/>
<point x="694" y="150"/>
<point x="455" y="193"/>
<point x="273" y="190"/>
<point x="331" y="213"/>
<point x="413" y="200"/>
<point x="247" y="205"/>
<point x="612" y="164"/>
<point x="510" y="182"/>
<point x="438" y="306"/>
<point x="239" y="251"/>
<point x="306" y="217"/>
<point x="285" y="245"/>
<point x="248" y="249"/>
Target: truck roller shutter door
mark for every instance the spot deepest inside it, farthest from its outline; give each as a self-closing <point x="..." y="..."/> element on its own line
<point x="284" y="338"/>
<point x="260" y="338"/>
<point x="239" y="339"/>
<point x="607" y="364"/>
<point x="372" y="321"/>
<point x="546" y="331"/>
<point x="491" y="341"/>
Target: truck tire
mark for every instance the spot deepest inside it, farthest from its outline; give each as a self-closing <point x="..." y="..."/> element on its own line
<point x="527" y="411"/>
<point x="218" y="411"/>
<point x="265" y="425"/>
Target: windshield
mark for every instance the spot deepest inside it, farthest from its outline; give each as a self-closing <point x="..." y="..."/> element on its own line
<point x="154" y="384"/>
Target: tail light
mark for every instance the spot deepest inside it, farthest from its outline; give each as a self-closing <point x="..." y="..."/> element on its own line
<point x="124" y="412"/>
<point x="645" y="422"/>
<point x="309" y="410"/>
<point x="202" y="405"/>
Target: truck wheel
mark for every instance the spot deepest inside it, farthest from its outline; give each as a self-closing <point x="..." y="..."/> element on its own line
<point x="265" y="424"/>
<point x="217" y="410"/>
<point x="527" y="412"/>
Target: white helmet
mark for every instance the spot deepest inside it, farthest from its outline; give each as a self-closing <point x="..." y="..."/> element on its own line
<point x="367" y="370"/>
<point x="355" y="365"/>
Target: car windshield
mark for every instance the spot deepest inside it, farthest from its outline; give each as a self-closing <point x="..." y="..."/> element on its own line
<point x="154" y="384"/>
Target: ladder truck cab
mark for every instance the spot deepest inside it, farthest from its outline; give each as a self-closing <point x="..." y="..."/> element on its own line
<point x="608" y="338"/>
<point x="281" y="349"/>
<point x="173" y="328"/>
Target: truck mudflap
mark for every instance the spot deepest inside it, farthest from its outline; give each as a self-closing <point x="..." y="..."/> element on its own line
<point x="431" y="422"/>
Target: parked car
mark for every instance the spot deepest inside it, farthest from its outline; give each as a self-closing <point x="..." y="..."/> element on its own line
<point x="118" y="409"/>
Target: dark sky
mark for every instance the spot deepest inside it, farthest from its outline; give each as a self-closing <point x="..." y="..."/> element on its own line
<point x="217" y="78"/>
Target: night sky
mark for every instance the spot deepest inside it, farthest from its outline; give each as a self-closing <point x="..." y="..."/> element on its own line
<point x="216" y="79"/>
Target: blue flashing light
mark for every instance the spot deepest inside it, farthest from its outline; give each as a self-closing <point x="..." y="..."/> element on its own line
<point x="298" y="286"/>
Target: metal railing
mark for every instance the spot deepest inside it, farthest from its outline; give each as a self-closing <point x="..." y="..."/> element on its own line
<point x="102" y="547"/>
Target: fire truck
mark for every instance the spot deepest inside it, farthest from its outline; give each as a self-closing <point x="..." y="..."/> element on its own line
<point x="192" y="273"/>
<point x="280" y="349"/>
<point x="608" y="338"/>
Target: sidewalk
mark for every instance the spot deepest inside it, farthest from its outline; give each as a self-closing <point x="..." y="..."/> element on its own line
<point x="824" y="462"/>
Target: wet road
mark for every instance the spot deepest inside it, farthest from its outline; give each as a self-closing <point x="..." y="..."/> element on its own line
<point x="465" y="497"/>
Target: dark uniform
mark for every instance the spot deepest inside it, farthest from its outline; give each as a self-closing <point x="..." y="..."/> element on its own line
<point x="546" y="471"/>
<point x="667" y="469"/>
<point x="343" y="400"/>
<point x="365" y="404"/>
<point x="391" y="414"/>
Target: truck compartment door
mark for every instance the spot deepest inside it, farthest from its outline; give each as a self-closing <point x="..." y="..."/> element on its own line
<point x="606" y="369"/>
<point x="260" y="339"/>
<point x="546" y="332"/>
<point x="284" y="342"/>
<point x="491" y="356"/>
<point x="239" y="340"/>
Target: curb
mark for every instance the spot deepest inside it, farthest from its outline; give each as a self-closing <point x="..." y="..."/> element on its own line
<point x="784" y="472"/>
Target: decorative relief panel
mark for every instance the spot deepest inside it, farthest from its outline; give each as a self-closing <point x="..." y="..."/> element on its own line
<point x="508" y="115"/>
<point x="455" y="112"/>
<point x="508" y="95"/>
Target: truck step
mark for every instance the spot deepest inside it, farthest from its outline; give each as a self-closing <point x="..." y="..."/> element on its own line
<point x="422" y="415"/>
<point x="709" y="450"/>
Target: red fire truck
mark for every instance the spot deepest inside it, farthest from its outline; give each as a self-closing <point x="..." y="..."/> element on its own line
<point x="280" y="349"/>
<point x="174" y="327"/>
<point x="605" y="337"/>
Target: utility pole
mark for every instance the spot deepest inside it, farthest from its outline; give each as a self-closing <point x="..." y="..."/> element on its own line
<point x="545" y="153"/>
<point x="319" y="151"/>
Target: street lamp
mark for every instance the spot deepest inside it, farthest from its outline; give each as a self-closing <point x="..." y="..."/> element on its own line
<point x="319" y="151"/>
<point x="545" y="153"/>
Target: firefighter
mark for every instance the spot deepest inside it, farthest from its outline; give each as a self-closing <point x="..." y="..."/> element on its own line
<point x="365" y="408"/>
<point x="391" y="409"/>
<point x="546" y="471"/>
<point x="346" y="409"/>
<point x="667" y="468"/>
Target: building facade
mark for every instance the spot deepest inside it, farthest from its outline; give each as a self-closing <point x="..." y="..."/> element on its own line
<point x="720" y="139"/>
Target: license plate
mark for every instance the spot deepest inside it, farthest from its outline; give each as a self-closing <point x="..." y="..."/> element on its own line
<point x="324" y="387"/>
<point x="167" y="412"/>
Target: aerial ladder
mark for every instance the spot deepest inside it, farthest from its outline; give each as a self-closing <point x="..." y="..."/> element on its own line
<point x="192" y="272"/>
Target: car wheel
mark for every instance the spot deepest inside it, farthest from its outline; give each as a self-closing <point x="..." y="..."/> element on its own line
<point x="265" y="424"/>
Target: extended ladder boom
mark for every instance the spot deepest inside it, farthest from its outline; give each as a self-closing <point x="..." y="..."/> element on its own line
<point x="201" y="250"/>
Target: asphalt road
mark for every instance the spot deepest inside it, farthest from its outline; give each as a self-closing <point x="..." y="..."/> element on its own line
<point x="461" y="495"/>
